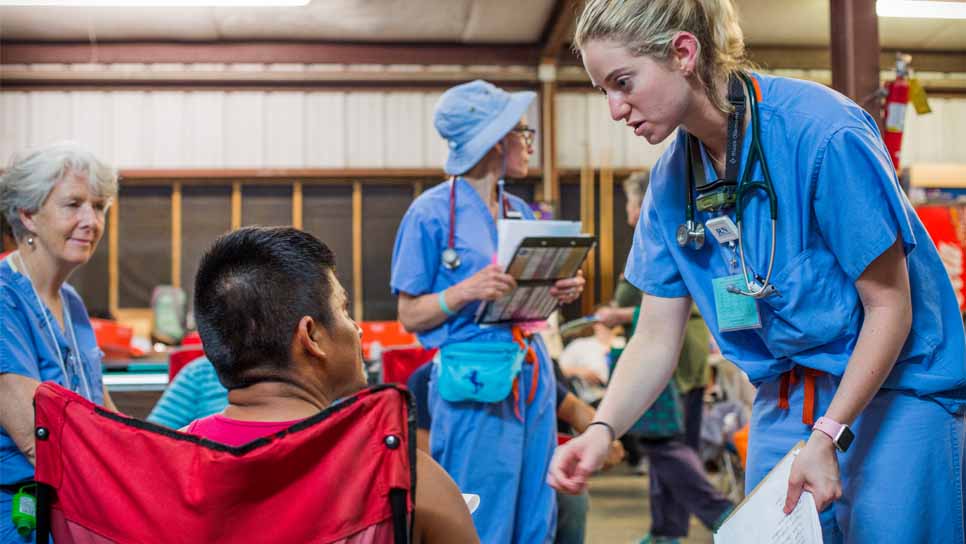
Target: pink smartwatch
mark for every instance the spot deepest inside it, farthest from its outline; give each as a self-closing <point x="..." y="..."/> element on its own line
<point x="840" y="433"/>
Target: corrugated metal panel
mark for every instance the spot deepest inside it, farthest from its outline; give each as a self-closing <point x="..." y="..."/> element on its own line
<point x="365" y="130"/>
<point x="435" y="151"/>
<point x="403" y="125"/>
<point x="166" y="121"/>
<point x="244" y="129"/>
<point x="373" y="129"/>
<point x="284" y="135"/>
<point x="129" y="128"/>
<point x="325" y="130"/>
<point x="93" y="122"/>
<point x="204" y="129"/>
<point x="571" y="129"/>
<point x="15" y="128"/>
<point x="49" y="117"/>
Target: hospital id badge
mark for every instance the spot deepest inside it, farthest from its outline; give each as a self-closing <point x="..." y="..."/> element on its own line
<point x="734" y="312"/>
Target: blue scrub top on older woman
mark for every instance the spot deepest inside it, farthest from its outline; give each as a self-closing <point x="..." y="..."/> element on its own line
<point x="27" y="348"/>
<point x="840" y="207"/>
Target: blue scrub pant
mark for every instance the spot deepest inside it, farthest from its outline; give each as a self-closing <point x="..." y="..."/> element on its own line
<point x="902" y="479"/>
<point x="487" y="450"/>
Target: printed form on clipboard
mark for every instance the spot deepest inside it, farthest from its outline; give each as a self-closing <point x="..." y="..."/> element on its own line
<point x="537" y="254"/>
<point x="760" y="519"/>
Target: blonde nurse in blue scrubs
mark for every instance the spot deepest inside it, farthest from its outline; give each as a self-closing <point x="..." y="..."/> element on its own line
<point x="777" y="210"/>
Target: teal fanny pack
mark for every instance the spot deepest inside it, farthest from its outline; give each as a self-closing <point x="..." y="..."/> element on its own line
<point x="478" y="371"/>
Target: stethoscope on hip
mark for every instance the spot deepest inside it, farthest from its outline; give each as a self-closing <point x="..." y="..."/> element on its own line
<point x="729" y="191"/>
<point x="450" y="258"/>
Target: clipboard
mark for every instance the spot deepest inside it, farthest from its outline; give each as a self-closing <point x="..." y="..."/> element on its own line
<point x="748" y="522"/>
<point x="537" y="264"/>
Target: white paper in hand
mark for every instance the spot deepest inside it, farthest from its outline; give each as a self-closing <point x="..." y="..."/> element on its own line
<point x="760" y="518"/>
<point x="510" y="232"/>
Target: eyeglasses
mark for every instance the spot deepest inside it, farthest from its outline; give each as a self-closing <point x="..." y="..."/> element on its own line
<point x="528" y="134"/>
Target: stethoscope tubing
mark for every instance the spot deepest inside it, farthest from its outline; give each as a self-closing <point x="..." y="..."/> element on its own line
<point x="746" y="188"/>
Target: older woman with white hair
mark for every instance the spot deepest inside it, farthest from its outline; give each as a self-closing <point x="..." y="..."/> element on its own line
<point x="54" y="200"/>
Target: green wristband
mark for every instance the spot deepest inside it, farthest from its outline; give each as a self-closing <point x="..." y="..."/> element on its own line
<point x="442" y="304"/>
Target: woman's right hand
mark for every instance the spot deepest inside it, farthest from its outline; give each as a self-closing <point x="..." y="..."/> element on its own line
<point x="575" y="461"/>
<point x="488" y="284"/>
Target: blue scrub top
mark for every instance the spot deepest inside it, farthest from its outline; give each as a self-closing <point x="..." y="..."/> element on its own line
<point x="840" y="206"/>
<point x="416" y="257"/>
<point x="26" y="348"/>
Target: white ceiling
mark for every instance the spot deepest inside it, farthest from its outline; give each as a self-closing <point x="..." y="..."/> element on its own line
<point x="766" y="22"/>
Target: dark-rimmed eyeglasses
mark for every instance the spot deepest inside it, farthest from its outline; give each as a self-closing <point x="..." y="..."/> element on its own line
<point x="528" y="134"/>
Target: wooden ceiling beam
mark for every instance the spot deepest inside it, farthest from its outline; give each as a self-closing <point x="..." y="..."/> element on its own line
<point x="806" y="57"/>
<point x="12" y="52"/>
<point x="556" y="36"/>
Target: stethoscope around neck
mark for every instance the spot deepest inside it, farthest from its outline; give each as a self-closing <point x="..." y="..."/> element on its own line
<point x="450" y="258"/>
<point x="692" y="232"/>
<point x="69" y="326"/>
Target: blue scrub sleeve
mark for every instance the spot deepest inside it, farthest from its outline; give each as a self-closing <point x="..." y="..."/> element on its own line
<point x="418" y="385"/>
<point x="17" y="355"/>
<point x="859" y="205"/>
<point x="416" y="253"/>
<point x="650" y="266"/>
<point x="561" y="394"/>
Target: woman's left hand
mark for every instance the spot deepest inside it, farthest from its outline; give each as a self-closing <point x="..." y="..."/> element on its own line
<point x="816" y="470"/>
<point x="569" y="290"/>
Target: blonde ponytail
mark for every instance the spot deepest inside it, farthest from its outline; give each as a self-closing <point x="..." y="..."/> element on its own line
<point x="647" y="27"/>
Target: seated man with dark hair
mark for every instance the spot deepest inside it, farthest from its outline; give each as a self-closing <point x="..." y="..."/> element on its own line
<point x="274" y="322"/>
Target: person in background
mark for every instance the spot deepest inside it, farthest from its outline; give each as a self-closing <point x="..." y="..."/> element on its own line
<point x="54" y="200"/>
<point x="194" y="393"/>
<point x="571" y="509"/>
<point x="691" y="374"/>
<point x="587" y="360"/>
<point x="289" y="349"/>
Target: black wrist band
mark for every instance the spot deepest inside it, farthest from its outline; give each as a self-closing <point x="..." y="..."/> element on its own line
<point x="610" y="429"/>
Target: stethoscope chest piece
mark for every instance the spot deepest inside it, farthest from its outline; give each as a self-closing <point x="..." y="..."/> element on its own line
<point x="691" y="232"/>
<point x="451" y="259"/>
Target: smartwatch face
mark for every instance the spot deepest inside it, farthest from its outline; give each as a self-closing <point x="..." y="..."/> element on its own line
<point x="844" y="440"/>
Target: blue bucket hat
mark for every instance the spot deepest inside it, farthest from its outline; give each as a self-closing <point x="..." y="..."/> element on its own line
<point x="473" y="117"/>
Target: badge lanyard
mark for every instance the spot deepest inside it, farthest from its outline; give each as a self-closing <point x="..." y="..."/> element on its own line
<point x="693" y="233"/>
<point x="69" y="325"/>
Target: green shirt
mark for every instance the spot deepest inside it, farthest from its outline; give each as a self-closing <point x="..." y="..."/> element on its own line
<point x="692" y="370"/>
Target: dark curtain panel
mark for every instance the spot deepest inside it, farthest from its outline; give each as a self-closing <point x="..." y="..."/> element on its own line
<point x="623" y="234"/>
<point x="521" y="189"/>
<point x="205" y="215"/>
<point x="569" y="201"/>
<point x="266" y="205"/>
<point x="91" y="280"/>
<point x="327" y="214"/>
<point x="144" y="243"/>
<point x="382" y="210"/>
<point x="570" y="211"/>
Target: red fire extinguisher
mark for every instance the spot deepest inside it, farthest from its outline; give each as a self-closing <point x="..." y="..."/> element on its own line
<point x="896" y="103"/>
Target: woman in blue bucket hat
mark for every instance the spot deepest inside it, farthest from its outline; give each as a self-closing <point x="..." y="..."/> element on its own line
<point x="492" y="390"/>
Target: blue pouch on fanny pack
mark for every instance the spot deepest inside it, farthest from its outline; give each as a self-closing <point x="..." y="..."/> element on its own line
<point x="478" y="371"/>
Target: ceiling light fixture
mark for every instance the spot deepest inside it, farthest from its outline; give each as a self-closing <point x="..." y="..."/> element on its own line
<point x="152" y="3"/>
<point x="920" y="9"/>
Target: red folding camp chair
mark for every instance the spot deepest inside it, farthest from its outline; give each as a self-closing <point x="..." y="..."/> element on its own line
<point x="399" y="363"/>
<point x="345" y="475"/>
